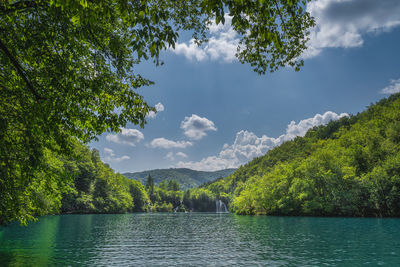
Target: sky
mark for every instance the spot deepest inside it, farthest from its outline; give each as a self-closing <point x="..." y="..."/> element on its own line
<point x="215" y="113"/>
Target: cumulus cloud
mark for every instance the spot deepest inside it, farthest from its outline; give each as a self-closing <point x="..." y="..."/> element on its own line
<point x="248" y="145"/>
<point x="109" y="156"/>
<point x="159" y="107"/>
<point x="222" y="44"/>
<point x="339" y="23"/>
<point x="190" y="50"/>
<point x="171" y="156"/>
<point x="342" y="23"/>
<point x="195" y="127"/>
<point x="167" y="144"/>
<point x="212" y="163"/>
<point x="181" y="154"/>
<point x="392" y="88"/>
<point x="126" y="137"/>
<point x="300" y="129"/>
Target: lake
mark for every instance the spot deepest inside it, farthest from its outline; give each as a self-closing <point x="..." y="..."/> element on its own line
<point x="200" y="239"/>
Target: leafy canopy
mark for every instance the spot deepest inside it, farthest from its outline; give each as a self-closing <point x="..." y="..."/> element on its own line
<point x="68" y="68"/>
<point x="74" y="60"/>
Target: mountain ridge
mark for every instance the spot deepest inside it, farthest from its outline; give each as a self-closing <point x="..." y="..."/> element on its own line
<point x="186" y="177"/>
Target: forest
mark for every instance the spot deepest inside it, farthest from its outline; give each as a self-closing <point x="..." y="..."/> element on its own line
<point x="350" y="167"/>
<point x="79" y="182"/>
<point x="69" y="74"/>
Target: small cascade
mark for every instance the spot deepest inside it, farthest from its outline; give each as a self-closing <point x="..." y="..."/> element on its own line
<point x="220" y="206"/>
<point x="178" y="207"/>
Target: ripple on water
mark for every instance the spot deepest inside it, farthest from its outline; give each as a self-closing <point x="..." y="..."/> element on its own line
<point x="200" y="239"/>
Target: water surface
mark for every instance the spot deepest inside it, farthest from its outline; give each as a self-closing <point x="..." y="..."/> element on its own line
<point x="200" y="239"/>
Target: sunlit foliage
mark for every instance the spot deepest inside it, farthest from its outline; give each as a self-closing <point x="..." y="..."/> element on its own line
<point x="349" y="167"/>
<point x="68" y="69"/>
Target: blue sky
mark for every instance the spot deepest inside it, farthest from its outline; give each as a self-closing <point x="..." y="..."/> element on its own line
<point x="216" y="113"/>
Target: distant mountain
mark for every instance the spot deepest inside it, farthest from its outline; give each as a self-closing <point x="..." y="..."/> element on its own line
<point x="187" y="178"/>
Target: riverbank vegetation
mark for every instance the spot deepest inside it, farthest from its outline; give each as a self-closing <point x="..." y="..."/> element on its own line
<point x="350" y="167"/>
<point x="80" y="183"/>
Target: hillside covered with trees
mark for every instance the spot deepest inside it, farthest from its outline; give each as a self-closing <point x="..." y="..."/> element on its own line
<point x="350" y="167"/>
<point x="187" y="178"/>
<point x="73" y="182"/>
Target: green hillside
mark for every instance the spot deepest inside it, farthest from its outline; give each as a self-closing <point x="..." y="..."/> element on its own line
<point x="350" y="167"/>
<point x="187" y="178"/>
<point x="73" y="180"/>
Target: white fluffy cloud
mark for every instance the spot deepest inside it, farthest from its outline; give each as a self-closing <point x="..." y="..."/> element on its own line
<point x="126" y="137"/>
<point x="248" y="145"/>
<point x="342" y="23"/>
<point x="181" y="154"/>
<point x="159" y="107"/>
<point x="339" y="23"/>
<point x="171" y="156"/>
<point x="222" y="44"/>
<point x="301" y="128"/>
<point x="109" y="156"/>
<point x="190" y="50"/>
<point x="167" y="144"/>
<point x="195" y="127"/>
<point x="392" y="88"/>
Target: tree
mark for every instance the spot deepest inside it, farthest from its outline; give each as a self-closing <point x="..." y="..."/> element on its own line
<point x="150" y="188"/>
<point x="187" y="200"/>
<point x="68" y="68"/>
<point x="150" y="184"/>
<point x="163" y="185"/>
<point x="173" y="185"/>
<point x="140" y="198"/>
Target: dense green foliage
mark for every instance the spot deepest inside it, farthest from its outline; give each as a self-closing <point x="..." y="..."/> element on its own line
<point x="350" y="167"/>
<point x="96" y="188"/>
<point x="81" y="183"/>
<point x="168" y="197"/>
<point x="165" y="198"/>
<point x="187" y="178"/>
<point x="67" y="70"/>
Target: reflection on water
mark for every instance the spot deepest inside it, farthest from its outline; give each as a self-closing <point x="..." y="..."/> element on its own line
<point x="19" y="245"/>
<point x="200" y="239"/>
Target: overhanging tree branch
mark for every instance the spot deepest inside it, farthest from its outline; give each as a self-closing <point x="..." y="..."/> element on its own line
<point x="19" y="69"/>
<point x="6" y="9"/>
<point x="280" y="15"/>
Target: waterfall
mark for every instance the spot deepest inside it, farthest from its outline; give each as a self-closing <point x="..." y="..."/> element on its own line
<point x="220" y="206"/>
<point x="179" y="206"/>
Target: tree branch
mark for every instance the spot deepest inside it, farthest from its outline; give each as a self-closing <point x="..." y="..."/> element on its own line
<point x="280" y="15"/>
<point x="6" y="9"/>
<point x="20" y="70"/>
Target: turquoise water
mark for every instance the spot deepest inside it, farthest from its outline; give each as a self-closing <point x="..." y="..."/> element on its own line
<point x="200" y="239"/>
